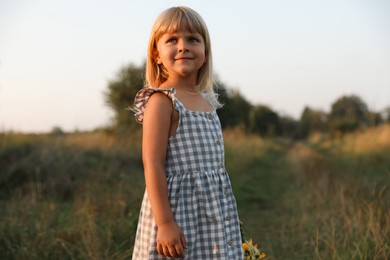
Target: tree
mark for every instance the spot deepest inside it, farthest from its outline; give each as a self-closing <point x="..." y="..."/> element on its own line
<point x="235" y="110"/>
<point x="311" y="121"/>
<point x="374" y="119"/>
<point x="264" y="121"/>
<point x="347" y="114"/>
<point x="288" y="126"/>
<point x="121" y="92"/>
<point x="57" y="131"/>
<point x="386" y="114"/>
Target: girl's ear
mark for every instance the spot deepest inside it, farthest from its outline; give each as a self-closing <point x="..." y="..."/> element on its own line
<point x="156" y="57"/>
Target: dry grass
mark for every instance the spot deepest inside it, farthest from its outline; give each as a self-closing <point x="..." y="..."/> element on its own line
<point x="69" y="196"/>
<point x="103" y="141"/>
<point x="361" y="142"/>
<point x="350" y="218"/>
<point x="77" y="196"/>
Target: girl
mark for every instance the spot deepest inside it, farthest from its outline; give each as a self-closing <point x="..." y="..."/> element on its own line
<point x="188" y="210"/>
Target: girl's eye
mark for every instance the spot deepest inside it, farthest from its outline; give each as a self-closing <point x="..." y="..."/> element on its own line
<point x="172" y="40"/>
<point x="193" y="39"/>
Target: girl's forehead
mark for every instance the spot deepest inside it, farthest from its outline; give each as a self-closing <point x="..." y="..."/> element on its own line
<point x="169" y="26"/>
<point x="180" y="31"/>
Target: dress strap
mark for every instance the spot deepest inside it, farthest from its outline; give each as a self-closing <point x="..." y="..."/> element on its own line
<point x="143" y="96"/>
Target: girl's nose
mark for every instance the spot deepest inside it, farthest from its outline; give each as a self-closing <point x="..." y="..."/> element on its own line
<point x="182" y="46"/>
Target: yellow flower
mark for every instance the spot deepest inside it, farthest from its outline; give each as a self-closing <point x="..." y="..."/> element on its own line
<point x="251" y="251"/>
<point x="246" y="246"/>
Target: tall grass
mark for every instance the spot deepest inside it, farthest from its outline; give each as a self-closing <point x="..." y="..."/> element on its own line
<point x="77" y="196"/>
<point x="321" y="199"/>
<point x="348" y="217"/>
<point x="68" y="197"/>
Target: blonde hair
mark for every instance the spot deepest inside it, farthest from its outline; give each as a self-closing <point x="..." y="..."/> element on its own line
<point x="169" y="21"/>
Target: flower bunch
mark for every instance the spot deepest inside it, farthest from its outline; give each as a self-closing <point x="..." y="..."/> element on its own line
<point x="251" y="251"/>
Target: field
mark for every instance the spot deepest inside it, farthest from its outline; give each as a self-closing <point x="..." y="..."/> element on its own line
<point x="77" y="196"/>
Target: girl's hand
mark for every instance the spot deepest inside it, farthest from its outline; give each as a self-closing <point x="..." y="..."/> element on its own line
<point x="170" y="240"/>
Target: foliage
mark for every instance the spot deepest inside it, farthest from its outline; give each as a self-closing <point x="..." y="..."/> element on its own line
<point x="264" y="121"/>
<point x="288" y="126"/>
<point x="386" y="114"/>
<point x="374" y="119"/>
<point x="57" y="131"/>
<point x="235" y="108"/>
<point x="311" y="121"/>
<point x="347" y="114"/>
<point x="121" y="92"/>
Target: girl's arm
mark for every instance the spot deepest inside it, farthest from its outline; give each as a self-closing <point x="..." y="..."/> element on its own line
<point x="156" y="128"/>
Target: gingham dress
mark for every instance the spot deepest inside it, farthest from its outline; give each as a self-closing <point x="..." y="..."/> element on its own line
<point x="199" y="188"/>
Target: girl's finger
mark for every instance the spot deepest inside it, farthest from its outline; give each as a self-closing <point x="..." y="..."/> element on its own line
<point x="160" y="250"/>
<point x="172" y="252"/>
<point x="179" y="250"/>
<point x="183" y="241"/>
<point x="166" y="251"/>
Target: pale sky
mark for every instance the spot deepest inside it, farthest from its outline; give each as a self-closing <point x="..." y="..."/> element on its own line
<point x="57" y="56"/>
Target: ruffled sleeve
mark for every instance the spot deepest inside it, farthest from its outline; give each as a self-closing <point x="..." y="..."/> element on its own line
<point x="142" y="98"/>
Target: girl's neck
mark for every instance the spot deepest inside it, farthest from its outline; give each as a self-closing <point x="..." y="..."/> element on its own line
<point x="187" y="93"/>
<point x="187" y="85"/>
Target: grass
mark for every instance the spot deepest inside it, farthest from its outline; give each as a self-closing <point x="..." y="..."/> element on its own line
<point x="319" y="199"/>
<point x="68" y="197"/>
<point x="77" y="196"/>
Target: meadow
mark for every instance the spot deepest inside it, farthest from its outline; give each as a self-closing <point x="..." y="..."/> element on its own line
<point x="77" y="196"/>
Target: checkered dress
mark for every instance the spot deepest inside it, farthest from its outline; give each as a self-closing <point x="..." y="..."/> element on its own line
<point x="199" y="188"/>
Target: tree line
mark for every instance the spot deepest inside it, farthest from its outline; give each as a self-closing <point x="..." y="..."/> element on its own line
<point x="348" y="113"/>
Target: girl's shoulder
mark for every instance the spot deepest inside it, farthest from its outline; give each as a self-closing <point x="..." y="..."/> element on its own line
<point x="142" y="98"/>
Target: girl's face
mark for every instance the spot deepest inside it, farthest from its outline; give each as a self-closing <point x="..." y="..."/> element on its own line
<point x="182" y="53"/>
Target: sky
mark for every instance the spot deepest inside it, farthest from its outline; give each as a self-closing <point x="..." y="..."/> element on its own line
<point x="57" y="57"/>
